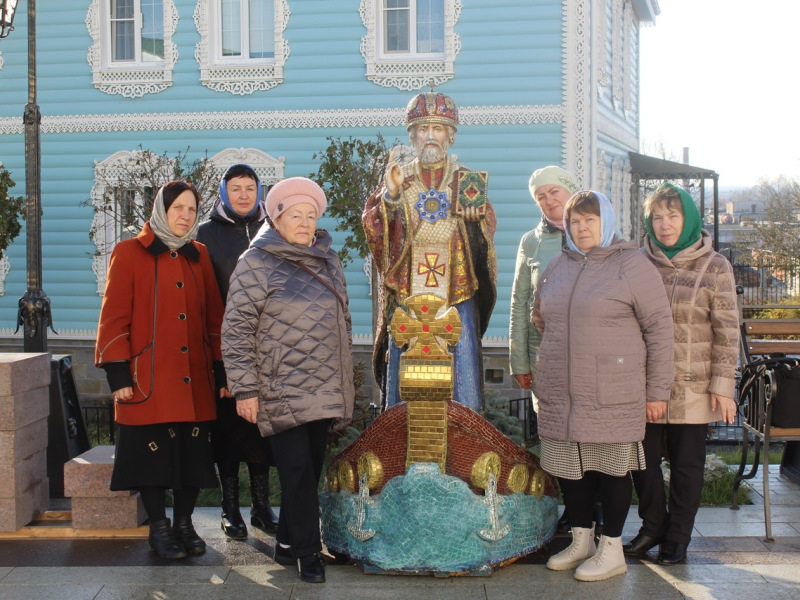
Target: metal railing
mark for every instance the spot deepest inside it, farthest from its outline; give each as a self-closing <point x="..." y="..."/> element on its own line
<point x="99" y="422"/>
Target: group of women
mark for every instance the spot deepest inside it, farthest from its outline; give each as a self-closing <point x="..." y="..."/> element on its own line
<point x="281" y="346"/>
<point x="630" y="352"/>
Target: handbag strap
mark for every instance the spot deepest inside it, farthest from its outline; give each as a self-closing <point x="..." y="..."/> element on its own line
<point x="323" y="282"/>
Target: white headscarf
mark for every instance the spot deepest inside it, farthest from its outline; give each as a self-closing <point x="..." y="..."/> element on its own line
<point x="159" y="225"/>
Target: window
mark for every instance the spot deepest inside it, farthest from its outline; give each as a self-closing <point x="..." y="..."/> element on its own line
<point x="246" y="29"/>
<point x="410" y="43"/>
<point x="399" y="36"/>
<point x="137" y="30"/>
<point x="241" y="48"/>
<point x="132" y="53"/>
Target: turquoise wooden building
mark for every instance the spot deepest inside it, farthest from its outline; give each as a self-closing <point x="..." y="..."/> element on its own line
<point x="265" y="82"/>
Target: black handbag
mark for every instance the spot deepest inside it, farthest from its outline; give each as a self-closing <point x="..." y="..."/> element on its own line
<point x="786" y="395"/>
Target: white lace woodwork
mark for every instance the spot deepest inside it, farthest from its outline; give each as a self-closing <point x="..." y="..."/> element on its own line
<point x="616" y="51"/>
<point x="601" y="46"/>
<point x="577" y="88"/>
<point x="248" y="75"/>
<point x="107" y="172"/>
<point x="627" y="60"/>
<point x="126" y="79"/>
<point x="269" y="169"/>
<point x="283" y="119"/>
<point x="414" y="71"/>
<point x="1" y="61"/>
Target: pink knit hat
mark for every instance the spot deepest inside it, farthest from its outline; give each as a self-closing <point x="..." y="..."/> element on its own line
<point x="294" y="190"/>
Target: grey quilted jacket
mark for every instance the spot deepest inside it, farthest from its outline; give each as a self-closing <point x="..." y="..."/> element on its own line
<point x="286" y="337"/>
<point x="606" y="347"/>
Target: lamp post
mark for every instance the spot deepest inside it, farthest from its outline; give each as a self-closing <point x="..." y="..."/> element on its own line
<point x="34" y="306"/>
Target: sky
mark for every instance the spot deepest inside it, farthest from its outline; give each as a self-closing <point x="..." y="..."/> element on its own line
<point x="723" y="78"/>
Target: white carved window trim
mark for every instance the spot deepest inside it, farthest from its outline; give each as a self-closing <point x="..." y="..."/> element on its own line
<point x="627" y="58"/>
<point x="408" y="72"/>
<point x="135" y="79"/>
<point x="617" y="34"/>
<point x="249" y="75"/>
<point x="1" y="60"/>
<point x="270" y="170"/>
<point x="601" y="46"/>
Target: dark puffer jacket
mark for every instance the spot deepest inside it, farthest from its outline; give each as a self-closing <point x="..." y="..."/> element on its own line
<point x="606" y="347"/>
<point x="286" y="337"/>
<point x="227" y="235"/>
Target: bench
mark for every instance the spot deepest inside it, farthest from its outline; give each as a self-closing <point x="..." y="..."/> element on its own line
<point x="765" y="345"/>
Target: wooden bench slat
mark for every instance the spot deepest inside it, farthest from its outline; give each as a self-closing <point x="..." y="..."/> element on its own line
<point x="773" y="346"/>
<point x="772" y="326"/>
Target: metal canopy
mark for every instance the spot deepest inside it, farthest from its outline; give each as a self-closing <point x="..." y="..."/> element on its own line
<point x="644" y="168"/>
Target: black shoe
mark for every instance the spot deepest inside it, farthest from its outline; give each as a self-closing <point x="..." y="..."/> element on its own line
<point x="261" y="514"/>
<point x="232" y="521"/>
<point x="640" y="545"/>
<point x="186" y="535"/>
<point x="672" y="553"/>
<point x="283" y="556"/>
<point x="163" y="541"/>
<point x="311" y="568"/>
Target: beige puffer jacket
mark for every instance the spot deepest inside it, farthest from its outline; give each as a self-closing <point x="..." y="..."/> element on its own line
<point x="606" y="346"/>
<point x="700" y="287"/>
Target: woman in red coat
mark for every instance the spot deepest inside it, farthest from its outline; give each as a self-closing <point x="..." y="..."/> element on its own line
<point x="158" y="342"/>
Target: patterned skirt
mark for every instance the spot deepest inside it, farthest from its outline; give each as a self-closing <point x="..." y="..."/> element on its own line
<point x="170" y="455"/>
<point x="571" y="460"/>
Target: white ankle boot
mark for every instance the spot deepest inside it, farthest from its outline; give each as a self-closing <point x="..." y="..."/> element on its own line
<point x="581" y="548"/>
<point x="609" y="561"/>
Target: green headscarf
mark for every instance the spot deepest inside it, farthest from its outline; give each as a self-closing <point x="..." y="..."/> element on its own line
<point x="692" y="223"/>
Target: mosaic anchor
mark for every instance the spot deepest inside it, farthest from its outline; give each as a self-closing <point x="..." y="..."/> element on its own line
<point x="431" y="486"/>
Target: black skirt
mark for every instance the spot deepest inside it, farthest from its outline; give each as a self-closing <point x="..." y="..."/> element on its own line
<point x="170" y="455"/>
<point x="237" y="440"/>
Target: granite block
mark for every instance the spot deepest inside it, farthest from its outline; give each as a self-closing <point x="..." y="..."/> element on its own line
<point x="22" y="408"/>
<point x="23" y="371"/>
<point x="17" y="512"/>
<point x="16" y="445"/>
<point x="20" y="477"/>
<point x="108" y="513"/>
<point x="89" y="474"/>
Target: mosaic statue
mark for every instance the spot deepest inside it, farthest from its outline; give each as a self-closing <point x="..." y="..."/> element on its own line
<point x="431" y="486"/>
<point x="430" y="229"/>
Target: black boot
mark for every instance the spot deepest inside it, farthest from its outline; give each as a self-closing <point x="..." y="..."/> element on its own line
<point x="186" y="535"/>
<point x="163" y="541"/>
<point x="232" y="522"/>
<point x="261" y="514"/>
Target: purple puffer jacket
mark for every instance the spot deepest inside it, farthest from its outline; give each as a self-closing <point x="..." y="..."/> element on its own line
<point x="606" y="347"/>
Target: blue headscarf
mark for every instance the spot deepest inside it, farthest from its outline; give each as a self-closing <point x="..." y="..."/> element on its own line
<point x="223" y="189"/>
<point x="608" y="223"/>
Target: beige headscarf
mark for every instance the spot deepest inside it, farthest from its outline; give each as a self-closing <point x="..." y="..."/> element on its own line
<point x="158" y="219"/>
